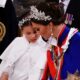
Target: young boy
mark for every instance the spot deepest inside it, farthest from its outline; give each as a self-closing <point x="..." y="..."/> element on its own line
<point x="24" y="58"/>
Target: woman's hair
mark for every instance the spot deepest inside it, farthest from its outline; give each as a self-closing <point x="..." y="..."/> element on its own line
<point x="24" y="20"/>
<point x="44" y="13"/>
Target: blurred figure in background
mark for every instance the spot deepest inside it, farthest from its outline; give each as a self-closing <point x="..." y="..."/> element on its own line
<point x="8" y="24"/>
<point x="71" y="11"/>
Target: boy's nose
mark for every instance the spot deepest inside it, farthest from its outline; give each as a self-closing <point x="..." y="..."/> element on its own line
<point x="33" y="36"/>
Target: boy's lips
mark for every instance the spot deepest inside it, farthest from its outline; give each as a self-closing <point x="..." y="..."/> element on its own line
<point x="34" y="39"/>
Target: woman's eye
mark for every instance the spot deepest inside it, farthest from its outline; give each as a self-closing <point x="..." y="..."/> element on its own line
<point x="38" y="29"/>
<point x="34" y="31"/>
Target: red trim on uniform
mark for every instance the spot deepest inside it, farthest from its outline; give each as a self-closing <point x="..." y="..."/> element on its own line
<point x="61" y="63"/>
<point x="61" y="31"/>
<point x="45" y="73"/>
<point x="56" y="50"/>
<point x="51" y="65"/>
<point x="59" y="76"/>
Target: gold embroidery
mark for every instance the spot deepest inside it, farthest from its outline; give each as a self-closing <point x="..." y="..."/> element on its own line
<point x="2" y="31"/>
<point x="75" y="76"/>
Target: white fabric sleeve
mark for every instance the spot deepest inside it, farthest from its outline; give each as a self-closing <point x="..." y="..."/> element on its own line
<point x="41" y="60"/>
<point x="5" y="67"/>
<point x="35" y="74"/>
<point x="3" y="3"/>
<point x="37" y="71"/>
<point x="7" y="51"/>
<point x="14" y="51"/>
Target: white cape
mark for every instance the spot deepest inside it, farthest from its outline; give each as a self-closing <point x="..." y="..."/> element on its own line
<point x="15" y="49"/>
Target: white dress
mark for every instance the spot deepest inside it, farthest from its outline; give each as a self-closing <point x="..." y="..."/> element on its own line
<point x="24" y="61"/>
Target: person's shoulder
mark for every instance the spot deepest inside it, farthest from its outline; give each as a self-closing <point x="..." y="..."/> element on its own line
<point x="72" y="55"/>
<point x="20" y="41"/>
<point x="76" y="38"/>
<point x="18" y="38"/>
<point x="74" y="45"/>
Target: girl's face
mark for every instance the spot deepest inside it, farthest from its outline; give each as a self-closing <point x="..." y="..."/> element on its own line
<point x="44" y="31"/>
<point x="30" y="34"/>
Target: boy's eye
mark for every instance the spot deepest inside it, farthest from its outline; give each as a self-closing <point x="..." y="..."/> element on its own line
<point x="28" y="33"/>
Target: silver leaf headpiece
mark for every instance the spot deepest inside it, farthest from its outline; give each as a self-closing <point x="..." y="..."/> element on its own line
<point x="38" y="14"/>
<point x="23" y="21"/>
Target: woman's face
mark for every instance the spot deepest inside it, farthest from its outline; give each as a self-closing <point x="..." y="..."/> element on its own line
<point x="44" y="31"/>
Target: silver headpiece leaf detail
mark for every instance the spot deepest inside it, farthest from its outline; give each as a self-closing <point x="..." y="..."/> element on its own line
<point x="38" y="14"/>
<point x="23" y="21"/>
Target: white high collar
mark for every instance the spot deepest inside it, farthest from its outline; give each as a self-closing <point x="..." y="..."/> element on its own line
<point x="41" y="42"/>
<point x="52" y="41"/>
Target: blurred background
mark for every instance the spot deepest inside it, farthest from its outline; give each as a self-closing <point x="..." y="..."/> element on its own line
<point x="22" y="5"/>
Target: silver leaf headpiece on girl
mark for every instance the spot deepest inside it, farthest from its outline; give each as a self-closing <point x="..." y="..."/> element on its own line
<point x="23" y="21"/>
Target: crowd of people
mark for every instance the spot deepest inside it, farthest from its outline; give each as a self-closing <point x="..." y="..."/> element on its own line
<point x="48" y="48"/>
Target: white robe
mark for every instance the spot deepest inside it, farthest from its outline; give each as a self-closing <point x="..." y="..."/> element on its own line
<point x="24" y="61"/>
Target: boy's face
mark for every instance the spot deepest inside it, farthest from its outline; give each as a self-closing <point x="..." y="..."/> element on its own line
<point x="30" y="34"/>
